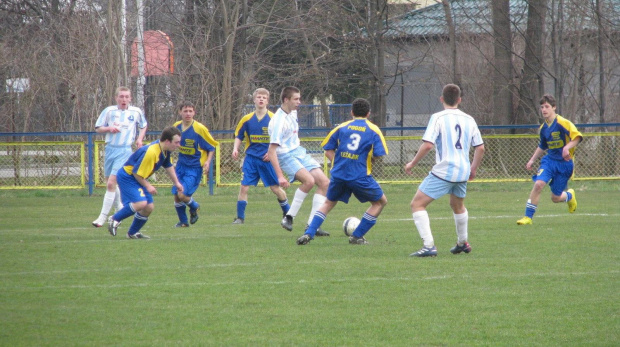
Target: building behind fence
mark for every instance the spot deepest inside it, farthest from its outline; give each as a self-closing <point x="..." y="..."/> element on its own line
<point x="75" y="160"/>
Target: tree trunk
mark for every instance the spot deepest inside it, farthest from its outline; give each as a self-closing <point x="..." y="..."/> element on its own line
<point x="532" y="84"/>
<point x="502" y="82"/>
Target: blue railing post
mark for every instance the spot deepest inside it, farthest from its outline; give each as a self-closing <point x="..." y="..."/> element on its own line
<point x="90" y="148"/>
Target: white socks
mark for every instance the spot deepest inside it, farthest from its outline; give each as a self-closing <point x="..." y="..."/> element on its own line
<point x="298" y="199"/>
<point x="461" y="227"/>
<point x="317" y="201"/>
<point x="118" y="204"/>
<point x="108" y="201"/>
<point x="423" y="224"/>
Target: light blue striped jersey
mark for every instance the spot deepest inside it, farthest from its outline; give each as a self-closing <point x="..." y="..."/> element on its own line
<point x="453" y="132"/>
<point x="127" y="120"/>
<point x="284" y="130"/>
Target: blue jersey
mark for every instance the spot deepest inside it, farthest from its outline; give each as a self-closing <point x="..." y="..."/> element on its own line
<point x="196" y="143"/>
<point x="355" y="143"/>
<point x="127" y="121"/>
<point x="554" y="136"/>
<point x="453" y="132"/>
<point x="255" y="132"/>
<point x="146" y="160"/>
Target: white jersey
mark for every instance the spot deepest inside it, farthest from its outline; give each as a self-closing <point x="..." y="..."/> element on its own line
<point x="284" y="130"/>
<point x="126" y="120"/>
<point x="453" y="132"/>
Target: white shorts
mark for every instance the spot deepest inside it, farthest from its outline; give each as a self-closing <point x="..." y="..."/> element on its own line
<point x="295" y="160"/>
<point x="436" y="187"/>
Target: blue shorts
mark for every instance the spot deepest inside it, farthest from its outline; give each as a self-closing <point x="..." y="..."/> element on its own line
<point x="436" y="187"/>
<point x="115" y="158"/>
<point x="365" y="189"/>
<point x="254" y="169"/>
<point x="131" y="189"/>
<point x="296" y="160"/>
<point x="189" y="177"/>
<point x="556" y="173"/>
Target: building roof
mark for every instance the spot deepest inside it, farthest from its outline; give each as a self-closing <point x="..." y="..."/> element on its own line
<point x="474" y="16"/>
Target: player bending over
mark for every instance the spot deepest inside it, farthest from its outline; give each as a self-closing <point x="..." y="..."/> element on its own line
<point x="136" y="192"/>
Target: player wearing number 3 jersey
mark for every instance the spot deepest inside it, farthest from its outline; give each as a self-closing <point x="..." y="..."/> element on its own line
<point x="452" y="132"/>
<point x="351" y="146"/>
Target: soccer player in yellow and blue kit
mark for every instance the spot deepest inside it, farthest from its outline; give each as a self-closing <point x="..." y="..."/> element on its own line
<point x="195" y="155"/>
<point x="558" y="137"/>
<point x="136" y="191"/>
<point x="351" y="147"/>
<point x="253" y="129"/>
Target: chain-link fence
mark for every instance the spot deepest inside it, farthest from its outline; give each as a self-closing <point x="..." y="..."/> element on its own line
<point x="61" y="164"/>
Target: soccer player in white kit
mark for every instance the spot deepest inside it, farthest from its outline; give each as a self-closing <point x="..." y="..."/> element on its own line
<point x="452" y="132"/>
<point x="119" y="122"/>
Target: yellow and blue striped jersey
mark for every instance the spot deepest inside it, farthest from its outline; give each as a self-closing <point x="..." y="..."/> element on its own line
<point x="196" y="143"/>
<point x="554" y="136"/>
<point x="146" y="160"/>
<point x="255" y="133"/>
<point x="355" y="143"/>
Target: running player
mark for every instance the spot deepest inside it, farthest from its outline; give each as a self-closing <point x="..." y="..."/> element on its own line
<point x="559" y="137"/>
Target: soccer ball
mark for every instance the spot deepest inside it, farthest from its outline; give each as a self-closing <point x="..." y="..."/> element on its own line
<point x="349" y="225"/>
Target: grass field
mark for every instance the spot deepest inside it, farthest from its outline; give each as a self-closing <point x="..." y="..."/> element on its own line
<point x="554" y="283"/>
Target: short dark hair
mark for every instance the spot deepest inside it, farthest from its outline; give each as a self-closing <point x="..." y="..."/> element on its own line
<point x="287" y="92"/>
<point x="360" y="107"/>
<point x="451" y="94"/>
<point x="168" y="133"/>
<point x="549" y="99"/>
<point x="184" y="104"/>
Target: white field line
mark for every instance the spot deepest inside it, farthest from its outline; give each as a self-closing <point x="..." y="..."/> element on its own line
<point x="318" y="280"/>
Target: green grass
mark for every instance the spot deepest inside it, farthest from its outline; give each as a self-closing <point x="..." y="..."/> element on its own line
<point x="555" y="283"/>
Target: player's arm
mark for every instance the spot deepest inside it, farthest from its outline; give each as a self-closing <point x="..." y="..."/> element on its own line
<point x="330" y="154"/>
<point x="173" y="177"/>
<point x="205" y="167"/>
<point x="273" y="158"/>
<point x="144" y="183"/>
<point x="572" y="144"/>
<point x="537" y="154"/>
<point x="478" y="154"/>
<point x="107" y="129"/>
<point x="422" y="152"/>
<point x="141" y="134"/>
<point x="235" y="151"/>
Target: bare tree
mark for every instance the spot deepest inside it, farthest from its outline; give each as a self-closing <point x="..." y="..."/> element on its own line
<point x="502" y="45"/>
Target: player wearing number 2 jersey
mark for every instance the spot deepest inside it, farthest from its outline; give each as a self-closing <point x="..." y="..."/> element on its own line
<point x="452" y="132"/>
<point x="351" y="146"/>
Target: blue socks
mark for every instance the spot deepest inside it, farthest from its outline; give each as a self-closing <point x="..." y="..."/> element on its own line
<point x="180" y="207"/>
<point x="137" y="224"/>
<point x="241" y="204"/>
<point x="530" y="209"/>
<point x="317" y="220"/>
<point x="367" y="222"/>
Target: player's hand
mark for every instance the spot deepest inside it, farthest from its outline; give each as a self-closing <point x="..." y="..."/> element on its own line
<point x="283" y="182"/>
<point x="408" y="168"/>
<point x="151" y="190"/>
<point x="205" y="167"/>
<point x="472" y="175"/>
<point x="114" y="130"/>
<point x="566" y="154"/>
<point x="266" y="157"/>
<point x="235" y="154"/>
<point x="529" y="165"/>
<point x="179" y="187"/>
<point x="138" y="144"/>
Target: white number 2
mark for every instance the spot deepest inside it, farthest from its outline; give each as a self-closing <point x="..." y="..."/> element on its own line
<point x="355" y="142"/>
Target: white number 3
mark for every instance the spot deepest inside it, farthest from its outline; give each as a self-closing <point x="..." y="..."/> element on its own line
<point x="355" y="142"/>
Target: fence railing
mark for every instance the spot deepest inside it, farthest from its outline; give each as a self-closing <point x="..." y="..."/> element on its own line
<point x="75" y="160"/>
